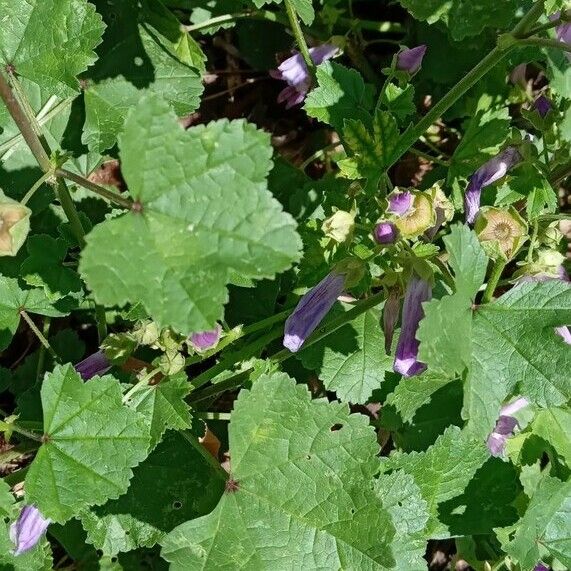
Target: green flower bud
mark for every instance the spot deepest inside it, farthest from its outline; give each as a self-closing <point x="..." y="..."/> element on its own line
<point x="443" y="206"/>
<point x="14" y="225"/>
<point x="340" y="226"/>
<point x="551" y="236"/>
<point x="146" y="333"/>
<point x="118" y="347"/>
<point x="417" y="218"/>
<point x="500" y="231"/>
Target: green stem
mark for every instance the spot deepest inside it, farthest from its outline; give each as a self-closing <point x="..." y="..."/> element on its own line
<point x="70" y="212"/>
<point x="560" y="173"/>
<point x="101" y="191"/>
<point x="318" y="154"/>
<point x="265" y="323"/>
<point x="320" y="333"/>
<point x="42" y="352"/>
<point x="532" y="241"/>
<point x="469" y="80"/>
<point x="39" y="334"/>
<point x="545" y="43"/>
<point x="299" y="37"/>
<point x="428" y="157"/>
<point x="229" y="18"/>
<point x="19" y="116"/>
<point x="210" y="460"/>
<point x="26" y="433"/>
<point x="35" y="187"/>
<point x="544" y="27"/>
<point x="213" y="415"/>
<point x="495" y="276"/>
<point x="101" y="321"/>
<point x="139" y="385"/>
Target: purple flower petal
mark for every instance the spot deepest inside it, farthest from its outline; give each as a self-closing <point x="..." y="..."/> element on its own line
<point x="505" y="426"/>
<point x="95" y="364"/>
<point x="385" y="233"/>
<point x="542" y="105"/>
<point x="406" y="362"/>
<point x="490" y="172"/>
<point x="205" y="340"/>
<point x="400" y="202"/>
<point x="563" y="32"/>
<point x="311" y="309"/>
<point x="294" y="71"/>
<point x="541" y="567"/>
<point x="410" y="60"/>
<point x="28" y="529"/>
<point x="564" y="333"/>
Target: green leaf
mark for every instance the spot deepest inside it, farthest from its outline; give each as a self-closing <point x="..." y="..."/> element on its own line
<point x="205" y="212"/>
<point x="403" y="500"/>
<point x="91" y="443"/>
<point x="305" y="500"/>
<point x="303" y="7"/>
<point x="399" y="101"/>
<point x="50" y="41"/>
<point x="544" y="526"/>
<point x="163" y="406"/>
<point x="445" y="331"/>
<point x="558" y="72"/>
<point x="44" y="268"/>
<point x="414" y="392"/>
<point x="528" y="183"/>
<point x="13" y="300"/>
<point x="442" y="472"/>
<point x="463" y="17"/>
<point x="515" y="350"/>
<point x="352" y="361"/>
<point x="341" y="94"/>
<point x="486" y="132"/>
<point x="174" y="484"/>
<point x="554" y="426"/>
<point x="144" y="51"/>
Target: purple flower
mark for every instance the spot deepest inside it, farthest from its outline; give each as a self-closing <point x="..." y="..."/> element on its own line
<point x="406" y="363"/>
<point x="205" y="340"/>
<point x="311" y="309"/>
<point x="390" y="317"/>
<point x="400" y="202"/>
<point x="563" y="32"/>
<point x="28" y="529"/>
<point x="542" y="105"/>
<point x="95" y="364"/>
<point x="488" y="173"/>
<point x="410" y="60"/>
<point x="385" y="233"/>
<point x="541" y="567"/>
<point x="505" y="426"/>
<point x="294" y="71"/>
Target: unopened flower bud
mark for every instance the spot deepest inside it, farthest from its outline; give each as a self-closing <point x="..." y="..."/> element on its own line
<point x="542" y="105"/>
<point x="500" y="231"/>
<point x="385" y="233"/>
<point x="28" y="529"/>
<point x="14" y="225"/>
<point x="410" y="60"/>
<point x="339" y="226"/>
<point x="205" y="340"/>
<point x="551" y="236"/>
<point x="96" y="364"/>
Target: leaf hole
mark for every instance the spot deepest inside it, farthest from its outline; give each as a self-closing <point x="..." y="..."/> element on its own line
<point x="308" y="456"/>
<point x="336" y="427"/>
<point x="176" y="505"/>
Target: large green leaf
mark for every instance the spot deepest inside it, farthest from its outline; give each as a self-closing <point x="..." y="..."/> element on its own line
<point x="545" y="525"/>
<point x="303" y="501"/>
<point x="515" y="350"/>
<point x="442" y="472"/>
<point x="340" y="94"/>
<point x="445" y="331"/>
<point x="163" y="406"/>
<point x="464" y="17"/>
<point x="13" y="300"/>
<point x="172" y="485"/>
<point x="144" y="50"/>
<point x="50" y="41"/>
<point x="91" y="442"/>
<point x="351" y="362"/>
<point x="205" y="212"/>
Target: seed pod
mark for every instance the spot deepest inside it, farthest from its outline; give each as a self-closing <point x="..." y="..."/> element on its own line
<point x="14" y="225"/>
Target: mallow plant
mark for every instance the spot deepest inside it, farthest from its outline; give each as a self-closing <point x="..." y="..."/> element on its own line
<point x="342" y="347"/>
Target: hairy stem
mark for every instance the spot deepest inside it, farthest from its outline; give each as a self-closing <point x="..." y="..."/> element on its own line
<point x="101" y="191"/>
<point x="545" y="43"/>
<point x="299" y="37"/>
<point x="70" y="211"/>
<point x="495" y="276"/>
<point x="38" y="334"/>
